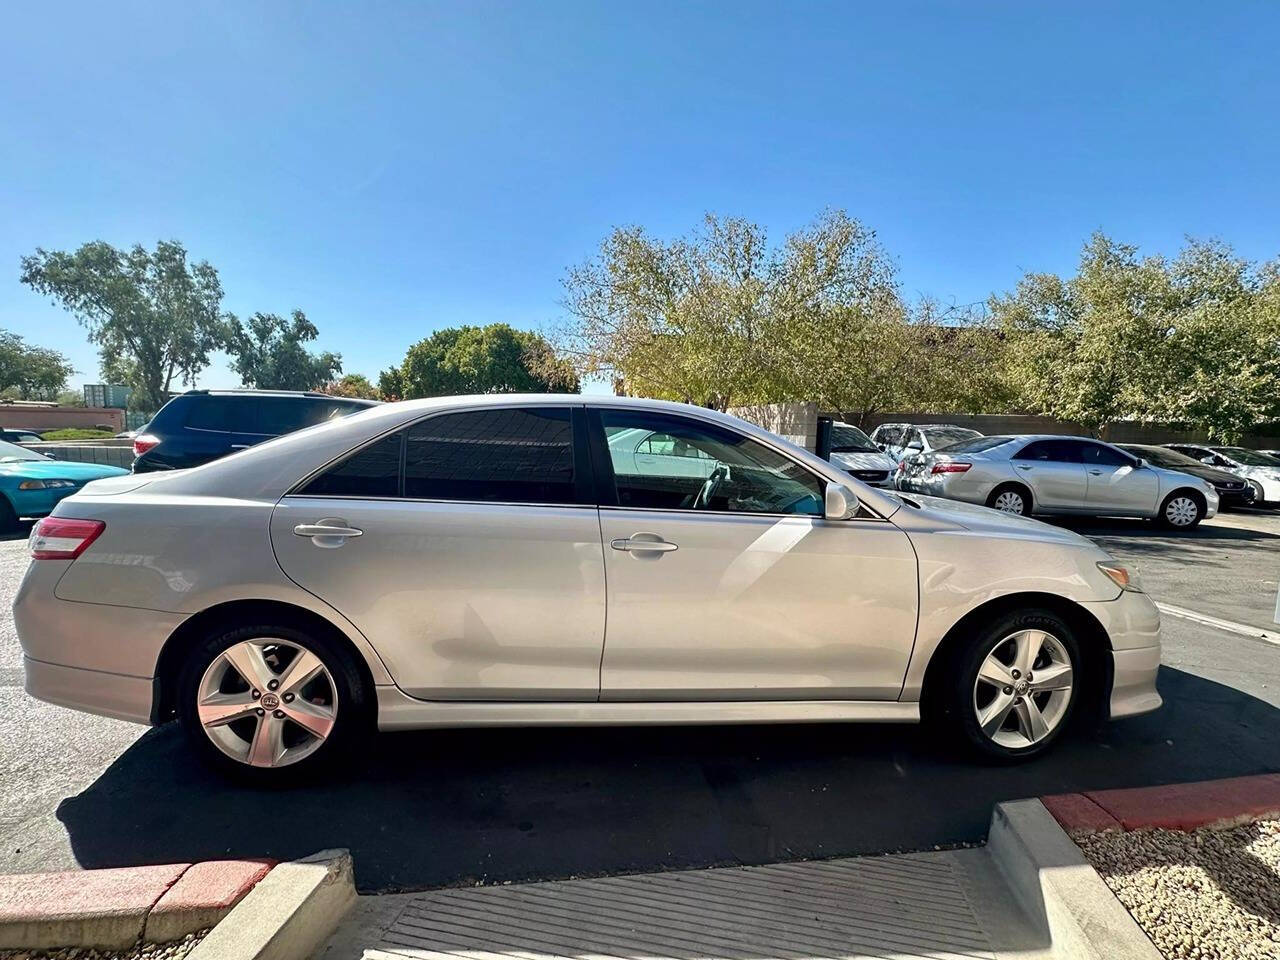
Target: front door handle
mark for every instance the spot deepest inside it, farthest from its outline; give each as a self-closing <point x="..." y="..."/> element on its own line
<point x="643" y="543"/>
<point x="329" y="532"/>
<point x="1095" y="473"/>
<point x="1024" y="466"/>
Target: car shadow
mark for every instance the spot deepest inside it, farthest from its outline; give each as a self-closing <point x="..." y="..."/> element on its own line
<point x="1094" y="527"/>
<point x="441" y="808"/>
<point x="20" y="532"/>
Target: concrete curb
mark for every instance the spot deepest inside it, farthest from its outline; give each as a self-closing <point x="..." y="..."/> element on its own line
<point x="115" y="908"/>
<point x="1057" y="887"/>
<point x="288" y="915"/>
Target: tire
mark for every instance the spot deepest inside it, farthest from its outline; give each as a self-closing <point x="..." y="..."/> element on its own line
<point x="268" y="743"/>
<point x="1022" y="718"/>
<point x="1011" y="498"/>
<point x="8" y="518"/>
<point x="1181" y="510"/>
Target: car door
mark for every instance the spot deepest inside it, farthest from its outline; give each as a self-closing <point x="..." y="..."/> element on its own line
<point x="1117" y="484"/>
<point x="734" y="587"/>
<point x="1053" y="470"/>
<point x="466" y="548"/>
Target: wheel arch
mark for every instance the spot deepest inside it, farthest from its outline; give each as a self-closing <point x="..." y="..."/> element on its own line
<point x="229" y="614"/>
<point x="1018" y="485"/>
<point x="1095" y="644"/>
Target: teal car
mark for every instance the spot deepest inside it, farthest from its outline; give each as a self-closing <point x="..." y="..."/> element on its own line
<point x="31" y="484"/>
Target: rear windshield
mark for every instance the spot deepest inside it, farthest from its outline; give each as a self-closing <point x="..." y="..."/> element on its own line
<point x="260" y="415"/>
<point x="977" y="444"/>
<point x="945" y="436"/>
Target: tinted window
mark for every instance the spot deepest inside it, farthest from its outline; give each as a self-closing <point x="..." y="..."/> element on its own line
<point x="731" y="472"/>
<point x="1098" y="455"/>
<point x="978" y="444"/>
<point x="1050" y="451"/>
<point x="278" y="415"/>
<point x="846" y="438"/>
<point x="945" y="436"/>
<point x="519" y="455"/>
<point x="221" y="414"/>
<point x="1250" y="458"/>
<point x="373" y="471"/>
<point x="888" y="435"/>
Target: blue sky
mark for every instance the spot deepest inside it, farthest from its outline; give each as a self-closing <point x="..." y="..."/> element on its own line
<point x="393" y="168"/>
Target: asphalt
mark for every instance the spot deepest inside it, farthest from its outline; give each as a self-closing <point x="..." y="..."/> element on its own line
<point x="425" y="810"/>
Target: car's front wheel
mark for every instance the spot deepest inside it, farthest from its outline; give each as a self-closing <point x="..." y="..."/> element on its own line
<point x="271" y="702"/>
<point x="1015" y="685"/>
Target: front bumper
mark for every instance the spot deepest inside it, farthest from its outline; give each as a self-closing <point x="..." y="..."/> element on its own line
<point x="1133" y="624"/>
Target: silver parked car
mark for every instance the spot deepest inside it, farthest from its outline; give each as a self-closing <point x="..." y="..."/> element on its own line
<point x="901" y="441"/>
<point x="1060" y="475"/>
<point x="506" y="560"/>
<point x="1258" y="468"/>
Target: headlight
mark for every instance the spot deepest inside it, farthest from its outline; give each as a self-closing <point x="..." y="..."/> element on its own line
<point x="46" y="484"/>
<point x="1121" y="576"/>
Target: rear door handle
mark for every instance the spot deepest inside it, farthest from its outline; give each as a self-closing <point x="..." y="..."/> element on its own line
<point x="329" y="532"/>
<point x="644" y="543"/>
<point x="1095" y="473"/>
<point x="1024" y="466"/>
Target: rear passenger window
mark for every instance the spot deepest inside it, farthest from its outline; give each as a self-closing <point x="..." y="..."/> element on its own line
<point x="1050" y="451"/>
<point x="221" y="414"/>
<point x="518" y="455"/>
<point x="371" y="472"/>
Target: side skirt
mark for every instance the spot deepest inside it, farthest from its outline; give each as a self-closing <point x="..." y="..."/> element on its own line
<point x="398" y="711"/>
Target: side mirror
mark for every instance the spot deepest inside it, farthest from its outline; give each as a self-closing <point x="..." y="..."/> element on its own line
<point x="1208" y="460"/>
<point x="841" y="502"/>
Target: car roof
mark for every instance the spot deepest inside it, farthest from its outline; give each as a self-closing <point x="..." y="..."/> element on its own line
<point x="254" y="392"/>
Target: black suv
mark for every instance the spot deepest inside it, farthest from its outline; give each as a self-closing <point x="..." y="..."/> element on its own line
<point x="202" y="425"/>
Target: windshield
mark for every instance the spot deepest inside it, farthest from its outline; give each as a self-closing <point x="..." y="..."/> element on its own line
<point x="1161" y="456"/>
<point x="12" y="453"/>
<point x="977" y="444"/>
<point x="1250" y="458"/>
<point x="945" y="436"/>
<point x="846" y="438"/>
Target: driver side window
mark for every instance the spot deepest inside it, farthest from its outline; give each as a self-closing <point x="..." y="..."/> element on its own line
<point x="701" y="466"/>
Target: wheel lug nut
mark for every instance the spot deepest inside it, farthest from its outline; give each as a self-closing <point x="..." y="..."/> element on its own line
<point x="279" y="714"/>
<point x="1008" y="689"/>
<point x="260" y="712"/>
<point x="1016" y="674"/>
<point x="257" y="694"/>
<point x="288" y="698"/>
<point x="273" y="684"/>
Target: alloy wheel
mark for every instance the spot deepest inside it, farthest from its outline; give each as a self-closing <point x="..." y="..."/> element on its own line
<point x="1010" y="502"/>
<point x="267" y="702"/>
<point x="1181" y="511"/>
<point x="1023" y="688"/>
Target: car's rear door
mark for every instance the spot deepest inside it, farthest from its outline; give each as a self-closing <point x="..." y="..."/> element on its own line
<point x="733" y="586"/>
<point x="1117" y="484"/>
<point x="1054" y="471"/>
<point x="466" y="548"/>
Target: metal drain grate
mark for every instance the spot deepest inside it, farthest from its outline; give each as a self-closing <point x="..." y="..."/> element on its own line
<point x="902" y="906"/>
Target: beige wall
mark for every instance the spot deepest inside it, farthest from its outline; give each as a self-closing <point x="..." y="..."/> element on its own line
<point x="797" y="422"/>
<point x="54" y="418"/>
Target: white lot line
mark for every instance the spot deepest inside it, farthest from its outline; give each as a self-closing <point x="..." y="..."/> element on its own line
<point x="1243" y="629"/>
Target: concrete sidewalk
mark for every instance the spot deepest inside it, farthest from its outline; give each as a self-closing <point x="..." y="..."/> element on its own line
<point x="952" y="905"/>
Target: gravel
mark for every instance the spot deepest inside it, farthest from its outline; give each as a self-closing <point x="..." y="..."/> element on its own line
<point x="174" y="950"/>
<point x="1203" y="894"/>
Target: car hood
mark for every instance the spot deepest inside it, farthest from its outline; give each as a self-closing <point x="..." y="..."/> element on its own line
<point x="870" y="460"/>
<point x="58" y="470"/>
<point x="1203" y="472"/>
<point x="983" y="520"/>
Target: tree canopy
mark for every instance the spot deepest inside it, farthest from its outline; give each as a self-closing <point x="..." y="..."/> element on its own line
<point x="267" y="352"/>
<point x="491" y="359"/>
<point x="31" y="373"/>
<point x="353" y="385"/>
<point x="154" y="316"/>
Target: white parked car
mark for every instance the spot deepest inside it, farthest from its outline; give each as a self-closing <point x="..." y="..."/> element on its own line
<point x="545" y="560"/>
<point x="904" y="440"/>
<point x="853" y="451"/>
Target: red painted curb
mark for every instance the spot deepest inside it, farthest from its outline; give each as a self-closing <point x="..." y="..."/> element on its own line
<point x="203" y="896"/>
<point x="1178" y="806"/>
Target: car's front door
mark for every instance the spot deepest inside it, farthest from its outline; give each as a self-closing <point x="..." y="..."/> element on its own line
<point x="1054" y="472"/>
<point x="733" y="586"/>
<point x="466" y="548"/>
<point x="1117" y="484"/>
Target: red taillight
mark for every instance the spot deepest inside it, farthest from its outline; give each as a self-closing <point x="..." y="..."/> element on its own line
<point x="63" y="538"/>
<point x="143" y="442"/>
<point x="951" y="466"/>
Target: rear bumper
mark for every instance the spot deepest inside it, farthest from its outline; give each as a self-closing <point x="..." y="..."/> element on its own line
<point x="94" y="691"/>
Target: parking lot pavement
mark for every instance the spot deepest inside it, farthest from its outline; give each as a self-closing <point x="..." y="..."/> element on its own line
<point x="451" y="807"/>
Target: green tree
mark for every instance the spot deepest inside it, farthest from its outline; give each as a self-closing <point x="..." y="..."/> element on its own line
<point x="355" y="385"/>
<point x="153" y="315"/>
<point x="267" y="352"/>
<point x="492" y="359"/>
<point x="31" y="373"/>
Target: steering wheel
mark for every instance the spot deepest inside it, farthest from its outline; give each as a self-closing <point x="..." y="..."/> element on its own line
<point x="718" y="476"/>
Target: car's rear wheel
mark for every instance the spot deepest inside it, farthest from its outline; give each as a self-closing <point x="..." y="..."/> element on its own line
<point x="1181" y="510"/>
<point x="271" y="702"/>
<point x="1014" y="685"/>
<point x="1011" y="498"/>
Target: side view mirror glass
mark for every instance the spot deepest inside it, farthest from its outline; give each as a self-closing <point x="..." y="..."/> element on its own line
<point x="841" y="503"/>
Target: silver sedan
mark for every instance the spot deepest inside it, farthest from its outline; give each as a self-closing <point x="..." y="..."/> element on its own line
<point x="1060" y="475"/>
<point x="550" y="560"/>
